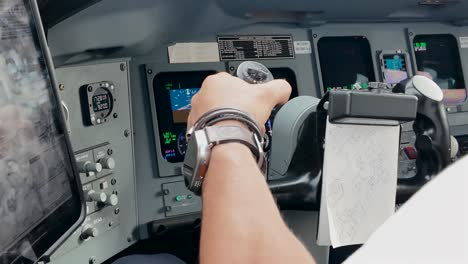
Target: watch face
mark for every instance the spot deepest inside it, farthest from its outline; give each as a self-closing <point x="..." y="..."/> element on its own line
<point x="196" y="161"/>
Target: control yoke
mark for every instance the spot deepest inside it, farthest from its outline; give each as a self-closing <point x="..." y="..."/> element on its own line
<point x="298" y="140"/>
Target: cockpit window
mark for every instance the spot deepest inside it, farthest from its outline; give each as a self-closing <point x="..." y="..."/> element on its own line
<point x="438" y="58"/>
<point x="345" y="61"/>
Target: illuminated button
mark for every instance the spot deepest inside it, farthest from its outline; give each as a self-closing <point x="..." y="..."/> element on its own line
<point x="189" y="196"/>
<point x="179" y="198"/>
<point x="411" y="152"/>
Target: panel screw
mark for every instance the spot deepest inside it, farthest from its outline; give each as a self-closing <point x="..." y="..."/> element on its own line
<point x="116" y="211"/>
<point x="126" y="133"/>
<point x="166" y="191"/>
<point x="110" y="152"/>
<point x="90" y="88"/>
<point x="129" y="239"/>
<point x="122" y="66"/>
<point x="232" y="68"/>
<point x="149" y="71"/>
<point x="113" y="181"/>
<point x="115" y="115"/>
<point x="61" y="87"/>
<point x="315" y="35"/>
<point x="92" y="260"/>
<point x="411" y="33"/>
<point x="168" y="208"/>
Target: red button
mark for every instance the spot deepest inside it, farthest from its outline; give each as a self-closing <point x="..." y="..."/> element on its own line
<point x="411" y="152"/>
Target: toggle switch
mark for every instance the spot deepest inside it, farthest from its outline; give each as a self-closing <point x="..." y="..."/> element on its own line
<point x="107" y="163"/>
<point x="89" y="232"/>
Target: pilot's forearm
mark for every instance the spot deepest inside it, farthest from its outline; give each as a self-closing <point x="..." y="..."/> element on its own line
<point x="241" y="223"/>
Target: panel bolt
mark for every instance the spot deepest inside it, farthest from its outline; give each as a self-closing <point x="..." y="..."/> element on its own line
<point x="115" y="115"/>
<point x="149" y="71"/>
<point x="122" y="66"/>
<point x="116" y="211"/>
<point x="90" y="88"/>
<point x="126" y="133"/>
<point x="110" y="152"/>
<point x="61" y="87"/>
<point x="232" y="68"/>
<point x="92" y="260"/>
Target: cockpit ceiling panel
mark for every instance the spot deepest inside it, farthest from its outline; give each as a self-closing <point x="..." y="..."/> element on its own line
<point x="54" y="11"/>
<point x="356" y="10"/>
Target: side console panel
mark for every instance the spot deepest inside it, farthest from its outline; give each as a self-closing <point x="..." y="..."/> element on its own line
<point x="96" y="99"/>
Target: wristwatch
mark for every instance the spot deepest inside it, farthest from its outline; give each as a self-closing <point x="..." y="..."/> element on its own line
<point x="197" y="156"/>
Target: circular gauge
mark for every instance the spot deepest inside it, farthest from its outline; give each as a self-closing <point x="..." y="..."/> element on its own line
<point x="182" y="143"/>
<point x="102" y="102"/>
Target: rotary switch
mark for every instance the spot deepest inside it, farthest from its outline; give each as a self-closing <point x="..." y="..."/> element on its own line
<point x="93" y="196"/>
<point x="88" y="167"/>
<point x="107" y="163"/>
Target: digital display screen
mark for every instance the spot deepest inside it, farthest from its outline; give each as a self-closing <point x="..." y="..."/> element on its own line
<point x="438" y="58"/>
<point x="101" y="102"/>
<point x="395" y="68"/>
<point x="173" y="92"/>
<point x="181" y="103"/>
<point x="345" y="61"/>
<point x="36" y="179"/>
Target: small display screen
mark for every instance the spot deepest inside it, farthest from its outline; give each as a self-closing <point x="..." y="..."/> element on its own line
<point x="181" y="103"/>
<point x="345" y="61"/>
<point x="395" y="68"/>
<point x="438" y="58"/>
<point x="101" y="102"/>
<point x="173" y="92"/>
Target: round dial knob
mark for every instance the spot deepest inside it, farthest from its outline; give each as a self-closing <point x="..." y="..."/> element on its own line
<point x="93" y="196"/>
<point x="112" y="200"/>
<point x="89" y="167"/>
<point x="254" y="72"/>
<point x="89" y="232"/>
<point x="107" y="163"/>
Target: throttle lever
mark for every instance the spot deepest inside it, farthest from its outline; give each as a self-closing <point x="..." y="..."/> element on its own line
<point x="431" y="126"/>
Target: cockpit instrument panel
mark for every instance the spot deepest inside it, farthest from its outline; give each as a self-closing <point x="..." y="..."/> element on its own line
<point x="173" y="92"/>
<point x="438" y="58"/>
<point x="345" y="61"/>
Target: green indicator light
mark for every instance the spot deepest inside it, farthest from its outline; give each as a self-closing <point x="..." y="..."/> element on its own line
<point x="189" y="196"/>
<point x="168" y="86"/>
<point x="179" y="198"/>
<point x="345" y="87"/>
<point x="329" y="88"/>
<point x="169" y="137"/>
<point x="417" y="45"/>
<point x="365" y="85"/>
<point x="423" y="44"/>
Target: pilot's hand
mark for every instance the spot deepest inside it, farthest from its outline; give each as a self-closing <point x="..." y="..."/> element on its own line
<point x="223" y="90"/>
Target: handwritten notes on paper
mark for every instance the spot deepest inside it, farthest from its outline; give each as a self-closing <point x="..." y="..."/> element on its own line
<point x="359" y="182"/>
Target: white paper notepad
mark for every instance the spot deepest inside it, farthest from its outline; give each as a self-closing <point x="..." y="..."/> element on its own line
<point x="360" y="171"/>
